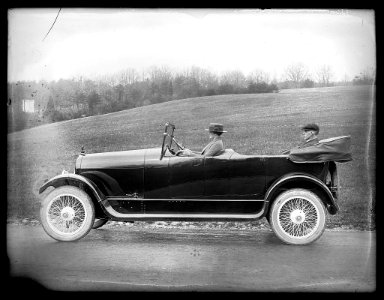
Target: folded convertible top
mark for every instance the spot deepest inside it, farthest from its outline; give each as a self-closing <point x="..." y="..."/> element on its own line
<point x="336" y="149"/>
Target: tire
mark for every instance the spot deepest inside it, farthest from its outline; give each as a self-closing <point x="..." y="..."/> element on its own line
<point x="67" y="214"/>
<point x="298" y="217"/>
<point x="98" y="223"/>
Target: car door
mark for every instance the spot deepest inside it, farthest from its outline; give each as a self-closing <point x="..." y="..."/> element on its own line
<point x="247" y="174"/>
<point x="217" y="177"/>
<point x="156" y="176"/>
<point x="186" y="177"/>
<point x="234" y="183"/>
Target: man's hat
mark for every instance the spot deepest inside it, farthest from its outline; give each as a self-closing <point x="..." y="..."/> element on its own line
<point x="311" y="126"/>
<point x="216" y="127"/>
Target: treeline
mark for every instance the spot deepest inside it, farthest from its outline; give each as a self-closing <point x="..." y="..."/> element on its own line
<point x="79" y="97"/>
<point x="364" y="79"/>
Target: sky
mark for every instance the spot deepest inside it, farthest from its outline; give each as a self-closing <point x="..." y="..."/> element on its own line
<point x="92" y="42"/>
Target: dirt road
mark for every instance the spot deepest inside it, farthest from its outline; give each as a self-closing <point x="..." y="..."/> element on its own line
<point x="124" y="259"/>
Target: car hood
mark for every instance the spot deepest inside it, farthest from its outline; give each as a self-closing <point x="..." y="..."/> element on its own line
<point x="117" y="159"/>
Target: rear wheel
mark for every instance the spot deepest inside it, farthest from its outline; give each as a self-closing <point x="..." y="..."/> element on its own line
<point x="297" y="217"/>
<point x="67" y="213"/>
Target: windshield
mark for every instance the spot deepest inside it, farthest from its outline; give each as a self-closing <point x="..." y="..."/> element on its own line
<point x="167" y="138"/>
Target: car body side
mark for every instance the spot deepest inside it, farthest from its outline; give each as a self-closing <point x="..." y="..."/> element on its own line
<point x="138" y="185"/>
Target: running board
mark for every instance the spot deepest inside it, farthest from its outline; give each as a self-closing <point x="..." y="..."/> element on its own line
<point x="112" y="213"/>
<point x="178" y="199"/>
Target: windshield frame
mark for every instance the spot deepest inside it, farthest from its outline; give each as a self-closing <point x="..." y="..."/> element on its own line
<point x="167" y="138"/>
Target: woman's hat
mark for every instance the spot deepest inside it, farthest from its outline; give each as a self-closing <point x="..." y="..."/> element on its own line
<point x="216" y="127"/>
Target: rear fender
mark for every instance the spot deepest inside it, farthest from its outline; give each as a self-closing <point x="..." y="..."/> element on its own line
<point x="298" y="180"/>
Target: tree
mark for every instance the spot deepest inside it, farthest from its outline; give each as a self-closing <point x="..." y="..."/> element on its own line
<point x="324" y="75"/>
<point x="258" y="76"/>
<point x="366" y="77"/>
<point x="128" y="76"/>
<point x="160" y="83"/>
<point x="93" y="100"/>
<point x="296" y="73"/>
<point x="208" y="83"/>
<point x="81" y="100"/>
<point x="261" y="87"/>
<point x="109" y="80"/>
<point x="226" y="88"/>
<point x="50" y="106"/>
<point x="134" y="95"/>
<point x="189" y="83"/>
<point x="71" y="98"/>
<point x="307" y="83"/>
<point x="236" y="79"/>
<point x="346" y="80"/>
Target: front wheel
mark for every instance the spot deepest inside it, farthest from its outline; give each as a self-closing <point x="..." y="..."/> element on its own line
<point x="67" y="213"/>
<point x="297" y="217"/>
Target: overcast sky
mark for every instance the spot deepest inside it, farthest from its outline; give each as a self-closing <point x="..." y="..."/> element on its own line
<point x="102" y="41"/>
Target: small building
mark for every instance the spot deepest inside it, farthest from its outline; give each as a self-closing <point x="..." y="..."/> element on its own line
<point x="28" y="106"/>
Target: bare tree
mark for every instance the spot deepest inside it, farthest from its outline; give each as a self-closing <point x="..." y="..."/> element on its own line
<point x="208" y="80"/>
<point x="324" y="75"/>
<point x="203" y="78"/>
<point x="235" y="78"/>
<point x="296" y="73"/>
<point x="346" y="79"/>
<point x="194" y="74"/>
<point x="258" y="76"/>
<point x="128" y="76"/>
<point x="160" y="83"/>
<point x="159" y="74"/>
<point x="111" y="80"/>
<point x="367" y="76"/>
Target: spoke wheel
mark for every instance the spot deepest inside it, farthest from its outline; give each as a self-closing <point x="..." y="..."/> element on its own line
<point x="67" y="213"/>
<point x="298" y="217"/>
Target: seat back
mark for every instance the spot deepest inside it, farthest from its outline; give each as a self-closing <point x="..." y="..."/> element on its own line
<point x="225" y="153"/>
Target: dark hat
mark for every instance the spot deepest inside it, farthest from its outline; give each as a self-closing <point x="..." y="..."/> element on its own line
<point x="216" y="127"/>
<point x="311" y="126"/>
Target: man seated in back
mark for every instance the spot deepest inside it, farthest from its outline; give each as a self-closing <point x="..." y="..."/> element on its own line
<point x="309" y="137"/>
<point x="215" y="146"/>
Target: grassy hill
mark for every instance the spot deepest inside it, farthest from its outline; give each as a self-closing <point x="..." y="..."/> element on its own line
<point x="256" y="124"/>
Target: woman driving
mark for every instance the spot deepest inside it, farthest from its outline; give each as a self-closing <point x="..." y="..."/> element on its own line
<point x="214" y="147"/>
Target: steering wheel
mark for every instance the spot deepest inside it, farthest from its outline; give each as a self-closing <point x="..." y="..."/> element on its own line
<point x="173" y="152"/>
<point x="179" y="146"/>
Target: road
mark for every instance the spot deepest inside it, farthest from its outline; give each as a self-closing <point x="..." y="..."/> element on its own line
<point x="127" y="259"/>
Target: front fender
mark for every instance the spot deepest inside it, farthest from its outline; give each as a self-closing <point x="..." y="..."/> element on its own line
<point x="74" y="180"/>
<point x="330" y="202"/>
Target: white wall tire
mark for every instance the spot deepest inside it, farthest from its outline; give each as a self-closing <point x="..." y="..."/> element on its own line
<point x="67" y="214"/>
<point x="298" y="217"/>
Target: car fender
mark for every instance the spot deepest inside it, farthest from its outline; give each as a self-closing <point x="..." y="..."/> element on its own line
<point x="329" y="200"/>
<point x="74" y="180"/>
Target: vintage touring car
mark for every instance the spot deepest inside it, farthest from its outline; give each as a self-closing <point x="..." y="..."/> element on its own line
<point x="294" y="192"/>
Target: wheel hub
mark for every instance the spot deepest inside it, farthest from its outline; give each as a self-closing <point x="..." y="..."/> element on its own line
<point x="68" y="213"/>
<point x="297" y="216"/>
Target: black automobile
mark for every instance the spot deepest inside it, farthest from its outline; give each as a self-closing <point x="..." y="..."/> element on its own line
<point x="294" y="192"/>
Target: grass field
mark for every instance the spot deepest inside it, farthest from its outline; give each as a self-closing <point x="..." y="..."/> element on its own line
<point x="256" y="124"/>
